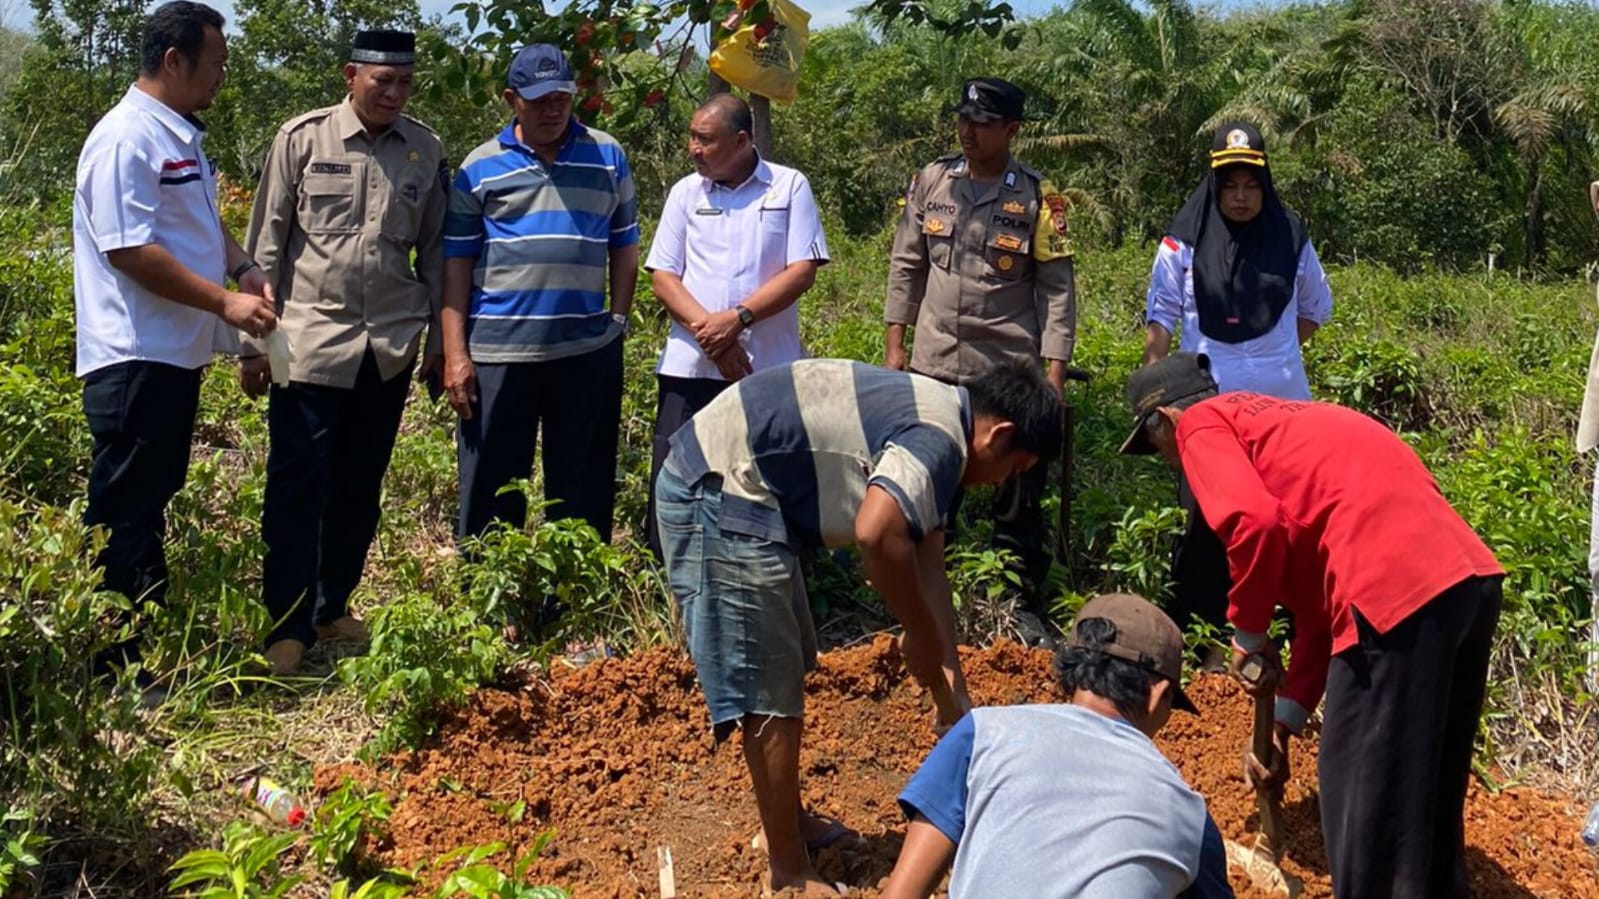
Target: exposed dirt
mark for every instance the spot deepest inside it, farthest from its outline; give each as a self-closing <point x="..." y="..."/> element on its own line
<point x="617" y="759"/>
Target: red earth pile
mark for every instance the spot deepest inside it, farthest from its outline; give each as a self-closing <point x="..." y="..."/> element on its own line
<point x="616" y="758"/>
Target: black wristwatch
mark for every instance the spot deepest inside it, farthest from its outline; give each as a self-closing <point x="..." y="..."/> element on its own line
<point x="745" y="317"/>
<point x="242" y="267"/>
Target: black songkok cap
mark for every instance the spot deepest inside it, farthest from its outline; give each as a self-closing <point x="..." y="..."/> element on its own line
<point x="384" y="48"/>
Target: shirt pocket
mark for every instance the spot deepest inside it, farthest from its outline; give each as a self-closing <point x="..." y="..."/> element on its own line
<point x="402" y="219"/>
<point x="774" y="234"/>
<point x="938" y="231"/>
<point x="330" y="196"/>
<point x="1007" y="254"/>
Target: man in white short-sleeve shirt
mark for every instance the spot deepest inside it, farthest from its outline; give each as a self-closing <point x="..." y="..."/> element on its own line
<point x="738" y="242"/>
<point x="149" y="257"/>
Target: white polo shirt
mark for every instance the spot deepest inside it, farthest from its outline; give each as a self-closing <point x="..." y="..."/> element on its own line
<point x="143" y="179"/>
<point x="724" y="242"/>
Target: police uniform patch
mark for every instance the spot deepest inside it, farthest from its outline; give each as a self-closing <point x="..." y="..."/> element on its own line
<point x="1004" y="262"/>
<point x="330" y="168"/>
<point x="413" y="156"/>
<point x="934" y="226"/>
<point x="1008" y="242"/>
<point x="1013" y="207"/>
<point x="1010" y="179"/>
<point x="1057" y="212"/>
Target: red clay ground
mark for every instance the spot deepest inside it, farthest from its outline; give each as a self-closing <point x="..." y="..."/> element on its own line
<point x="616" y="758"/>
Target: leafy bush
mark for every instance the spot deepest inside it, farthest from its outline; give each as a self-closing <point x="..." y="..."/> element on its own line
<point x="248" y="866"/>
<point x="58" y="751"/>
<point x="347" y="815"/>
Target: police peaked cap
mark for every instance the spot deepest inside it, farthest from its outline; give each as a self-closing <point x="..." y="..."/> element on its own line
<point x="384" y="48"/>
<point x="990" y="100"/>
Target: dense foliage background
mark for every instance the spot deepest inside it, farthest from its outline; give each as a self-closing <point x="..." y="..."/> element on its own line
<point x="1441" y="152"/>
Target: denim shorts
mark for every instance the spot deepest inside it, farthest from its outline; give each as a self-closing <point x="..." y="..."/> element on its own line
<point x="745" y="613"/>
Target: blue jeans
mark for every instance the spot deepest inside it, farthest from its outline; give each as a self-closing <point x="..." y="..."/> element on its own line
<point x="745" y="613"/>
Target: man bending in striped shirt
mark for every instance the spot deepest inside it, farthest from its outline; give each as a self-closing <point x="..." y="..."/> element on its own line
<point x="826" y="452"/>
<point x="541" y="221"/>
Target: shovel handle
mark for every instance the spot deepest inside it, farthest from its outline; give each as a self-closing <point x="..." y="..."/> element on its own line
<point x="1269" y="841"/>
<point x="1265" y="721"/>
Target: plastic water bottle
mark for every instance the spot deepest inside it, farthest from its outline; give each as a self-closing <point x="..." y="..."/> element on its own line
<point x="1590" y="831"/>
<point x="277" y="803"/>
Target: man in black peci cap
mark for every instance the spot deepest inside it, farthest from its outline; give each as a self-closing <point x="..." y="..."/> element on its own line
<point x="982" y="267"/>
<point x="348" y="195"/>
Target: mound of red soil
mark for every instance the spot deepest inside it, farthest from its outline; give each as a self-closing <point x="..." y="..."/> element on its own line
<point x="618" y="760"/>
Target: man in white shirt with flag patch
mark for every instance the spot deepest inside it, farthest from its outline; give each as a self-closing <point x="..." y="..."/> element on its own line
<point x="150" y="256"/>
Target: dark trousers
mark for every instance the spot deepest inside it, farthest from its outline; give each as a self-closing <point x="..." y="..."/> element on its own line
<point x="1019" y="526"/>
<point x="141" y="416"/>
<point x="1199" y="569"/>
<point x="330" y="449"/>
<point x="677" y="400"/>
<point x="577" y="402"/>
<point x="1396" y="739"/>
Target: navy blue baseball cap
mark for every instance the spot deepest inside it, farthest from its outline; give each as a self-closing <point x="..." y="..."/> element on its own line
<point x="541" y="69"/>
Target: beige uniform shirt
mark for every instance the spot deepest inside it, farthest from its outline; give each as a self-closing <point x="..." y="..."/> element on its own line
<point x="336" y="218"/>
<point x="983" y="271"/>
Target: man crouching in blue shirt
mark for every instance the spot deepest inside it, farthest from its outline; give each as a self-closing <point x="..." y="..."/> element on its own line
<point x="1074" y="800"/>
<point x="827" y="452"/>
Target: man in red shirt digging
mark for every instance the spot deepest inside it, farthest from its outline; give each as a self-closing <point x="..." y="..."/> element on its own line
<point x="1327" y="513"/>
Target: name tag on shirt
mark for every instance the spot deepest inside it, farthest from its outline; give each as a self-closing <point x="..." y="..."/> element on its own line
<point x="330" y="168"/>
<point x="709" y="210"/>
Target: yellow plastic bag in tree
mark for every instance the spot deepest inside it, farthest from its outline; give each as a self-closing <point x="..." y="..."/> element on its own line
<point x="766" y="62"/>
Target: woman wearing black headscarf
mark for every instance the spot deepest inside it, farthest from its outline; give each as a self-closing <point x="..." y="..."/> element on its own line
<point x="1237" y="277"/>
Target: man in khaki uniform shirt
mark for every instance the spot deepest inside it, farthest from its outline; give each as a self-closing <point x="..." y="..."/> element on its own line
<point x="346" y="195"/>
<point x="982" y="268"/>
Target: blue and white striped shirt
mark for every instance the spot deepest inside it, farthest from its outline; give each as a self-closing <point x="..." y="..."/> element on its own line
<point x="542" y="237"/>
<point x="797" y="446"/>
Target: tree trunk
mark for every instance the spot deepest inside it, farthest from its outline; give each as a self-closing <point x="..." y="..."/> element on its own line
<point x="1532" y="232"/>
<point x="761" y="112"/>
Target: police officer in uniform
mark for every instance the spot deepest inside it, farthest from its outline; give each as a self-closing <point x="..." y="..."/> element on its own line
<point x="347" y="194"/>
<point x="982" y="268"/>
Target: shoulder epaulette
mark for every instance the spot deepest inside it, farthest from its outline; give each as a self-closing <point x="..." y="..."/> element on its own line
<point x="310" y="118"/>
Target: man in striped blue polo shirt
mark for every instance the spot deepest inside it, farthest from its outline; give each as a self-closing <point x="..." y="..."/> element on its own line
<point x="827" y="452"/>
<point x="541" y="222"/>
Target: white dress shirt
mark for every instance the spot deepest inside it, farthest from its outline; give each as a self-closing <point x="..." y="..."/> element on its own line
<point x="724" y="242"/>
<point x="1270" y="364"/>
<point x="144" y="179"/>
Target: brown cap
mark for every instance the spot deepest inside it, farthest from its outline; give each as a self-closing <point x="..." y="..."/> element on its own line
<point x="1143" y="635"/>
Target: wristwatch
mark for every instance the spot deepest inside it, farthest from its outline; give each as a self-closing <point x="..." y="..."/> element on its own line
<point x="238" y="272"/>
<point x="745" y="317"/>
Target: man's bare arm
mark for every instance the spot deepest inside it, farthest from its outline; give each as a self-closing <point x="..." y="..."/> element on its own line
<point x="922" y="862"/>
<point x="158" y="271"/>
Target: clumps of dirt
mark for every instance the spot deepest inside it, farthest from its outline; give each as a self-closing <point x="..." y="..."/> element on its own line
<point x="616" y="757"/>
